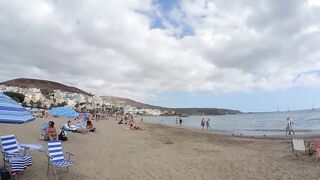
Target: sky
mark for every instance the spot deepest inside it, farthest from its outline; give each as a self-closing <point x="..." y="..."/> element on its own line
<point x="240" y="54"/>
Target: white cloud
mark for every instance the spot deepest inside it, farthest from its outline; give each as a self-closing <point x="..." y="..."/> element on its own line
<point x="108" y="47"/>
<point x="314" y="2"/>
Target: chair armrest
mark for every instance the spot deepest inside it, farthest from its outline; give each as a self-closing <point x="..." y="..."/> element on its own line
<point x="72" y="154"/>
<point x="24" y="149"/>
<point x="69" y="154"/>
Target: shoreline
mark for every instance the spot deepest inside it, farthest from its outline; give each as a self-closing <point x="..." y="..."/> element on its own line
<point x="220" y="133"/>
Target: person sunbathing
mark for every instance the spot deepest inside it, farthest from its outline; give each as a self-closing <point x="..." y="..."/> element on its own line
<point x="132" y="127"/>
<point x="51" y="132"/>
<point x="70" y="127"/>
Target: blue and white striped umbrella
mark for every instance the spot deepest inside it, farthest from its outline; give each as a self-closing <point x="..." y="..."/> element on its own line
<point x="12" y="112"/>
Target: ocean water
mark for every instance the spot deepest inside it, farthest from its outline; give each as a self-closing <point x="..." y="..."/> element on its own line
<point x="306" y="122"/>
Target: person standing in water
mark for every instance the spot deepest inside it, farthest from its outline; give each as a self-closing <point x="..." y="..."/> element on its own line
<point x="289" y="128"/>
<point x="180" y="122"/>
<point x="208" y="124"/>
<point x="177" y="122"/>
<point x="202" y="124"/>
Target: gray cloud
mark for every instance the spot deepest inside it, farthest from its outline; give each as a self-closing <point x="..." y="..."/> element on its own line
<point x="110" y="50"/>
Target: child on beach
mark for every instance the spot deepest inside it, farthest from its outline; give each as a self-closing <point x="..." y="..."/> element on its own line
<point x="90" y="127"/>
<point x="74" y="127"/>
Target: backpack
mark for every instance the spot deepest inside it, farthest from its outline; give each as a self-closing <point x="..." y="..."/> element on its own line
<point x="62" y="136"/>
<point x="5" y="174"/>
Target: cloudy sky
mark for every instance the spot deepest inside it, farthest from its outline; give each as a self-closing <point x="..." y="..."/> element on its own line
<point x="243" y="54"/>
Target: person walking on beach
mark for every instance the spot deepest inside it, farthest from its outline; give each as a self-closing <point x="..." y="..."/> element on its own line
<point x="180" y="122"/>
<point x="202" y="123"/>
<point x="289" y="128"/>
<point x="208" y="124"/>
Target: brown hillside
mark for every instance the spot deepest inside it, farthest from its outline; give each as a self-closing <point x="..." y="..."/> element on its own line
<point x="42" y="84"/>
<point x="188" y="111"/>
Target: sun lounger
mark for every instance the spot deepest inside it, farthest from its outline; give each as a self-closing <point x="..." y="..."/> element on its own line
<point x="56" y="157"/>
<point x="298" y="145"/>
<point x="12" y="154"/>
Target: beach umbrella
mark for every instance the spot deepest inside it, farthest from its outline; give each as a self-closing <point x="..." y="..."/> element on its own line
<point x="12" y="112"/>
<point x="66" y="112"/>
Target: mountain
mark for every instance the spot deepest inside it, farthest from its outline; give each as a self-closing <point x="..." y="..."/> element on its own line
<point x="126" y="101"/>
<point x="42" y="84"/>
<point x="187" y="111"/>
<point x="51" y="85"/>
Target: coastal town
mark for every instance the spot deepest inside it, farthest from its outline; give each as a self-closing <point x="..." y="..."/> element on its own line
<point x="36" y="99"/>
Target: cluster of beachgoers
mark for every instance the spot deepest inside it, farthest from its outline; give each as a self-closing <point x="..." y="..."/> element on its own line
<point x="131" y="122"/>
<point x="76" y="126"/>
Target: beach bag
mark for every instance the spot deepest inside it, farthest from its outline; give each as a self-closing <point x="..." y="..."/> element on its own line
<point x="93" y="130"/>
<point x="5" y="175"/>
<point x="62" y="136"/>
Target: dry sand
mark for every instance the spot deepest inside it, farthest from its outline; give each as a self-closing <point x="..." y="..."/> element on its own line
<point x="162" y="152"/>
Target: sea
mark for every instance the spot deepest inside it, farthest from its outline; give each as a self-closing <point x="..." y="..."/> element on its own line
<point x="306" y="122"/>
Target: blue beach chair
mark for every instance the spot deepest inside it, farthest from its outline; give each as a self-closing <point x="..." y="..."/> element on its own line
<point x="13" y="155"/>
<point x="56" y="157"/>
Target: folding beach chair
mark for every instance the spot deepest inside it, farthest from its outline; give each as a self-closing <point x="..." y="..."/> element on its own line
<point x="12" y="154"/>
<point x="298" y="146"/>
<point x="56" y="157"/>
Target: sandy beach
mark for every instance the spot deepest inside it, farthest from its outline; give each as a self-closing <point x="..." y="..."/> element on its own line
<point x="162" y="152"/>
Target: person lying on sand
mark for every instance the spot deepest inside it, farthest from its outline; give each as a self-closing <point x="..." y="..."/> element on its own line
<point x="69" y="127"/>
<point x="132" y="127"/>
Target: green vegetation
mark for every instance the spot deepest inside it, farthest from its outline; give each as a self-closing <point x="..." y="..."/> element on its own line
<point x="15" y="96"/>
<point x="46" y="92"/>
<point x="58" y="105"/>
<point x="77" y="105"/>
<point x="39" y="104"/>
<point x="63" y="103"/>
<point x="31" y="104"/>
<point x="24" y="104"/>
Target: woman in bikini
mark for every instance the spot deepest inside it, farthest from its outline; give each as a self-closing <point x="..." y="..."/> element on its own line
<point x="51" y="132"/>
